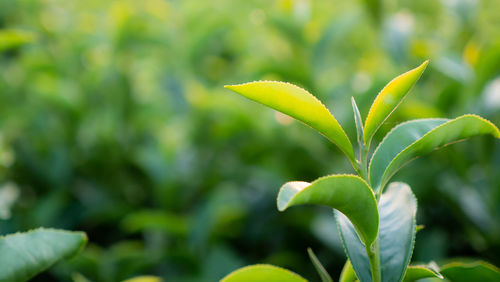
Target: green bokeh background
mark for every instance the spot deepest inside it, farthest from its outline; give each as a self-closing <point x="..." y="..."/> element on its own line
<point x="114" y="121"/>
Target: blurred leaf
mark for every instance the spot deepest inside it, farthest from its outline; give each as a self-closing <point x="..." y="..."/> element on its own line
<point x="416" y="138"/>
<point x="11" y="38"/>
<point x="262" y="273"/>
<point x="389" y="99"/>
<point x="397" y="209"/>
<point x="23" y="255"/>
<point x="144" y="279"/>
<point x="155" y="220"/>
<point x="337" y="191"/>
<point x="325" y="277"/>
<point x="300" y="104"/>
<point x="471" y="271"/>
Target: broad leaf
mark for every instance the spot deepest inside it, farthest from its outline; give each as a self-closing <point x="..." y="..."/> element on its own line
<point x="325" y="277"/>
<point x="416" y="272"/>
<point x="262" y="273"/>
<point x="300" y="104"/>
<point x="23" y="255"/>
<point x="412" y="139"/>
<point x="388" y="99"/>
<point x="348" y="274"/>
<point x="397" y="209"/>
<point x="473" y="271"/>
<point x="348" y="194"/>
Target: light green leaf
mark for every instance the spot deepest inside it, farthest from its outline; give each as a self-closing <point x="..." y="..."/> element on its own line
<point x="389" y="99"/>
<point x="471" y="271"/>
<point x="348" y="274"/>
<point x="262" y="273"/>
<point x="12" y="38"/>
<point x="412" y="139"/>
<point x="145" y="278"/>
<point x="300" y="104"/>
<point x="397" y="210"/>
<point x="23" y="255"/>
<point x="416" y="272"/>
<point x="325" y="277"/>
<point x="349" y="194"/>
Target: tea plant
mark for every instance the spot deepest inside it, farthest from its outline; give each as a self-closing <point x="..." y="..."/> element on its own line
<point x="23" y="255"/>
<point x="375" y="218"/>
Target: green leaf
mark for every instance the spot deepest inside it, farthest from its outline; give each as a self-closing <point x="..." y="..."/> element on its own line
<point x="416" y="272"/>
<point x="412" y="139"/>
<point x="262" y="273"/>
<point x="471" y="271"/>
<point x="397" y="210"/>
<point x="300" y="104"/>
<point x="23" y="255"/>
<point x="348" y="274"/>
<point x="11" y="38"/>
<point x="389" y="99"/>
<point x="349" y="194"/>
<point x="358" y="120"/>
<point x="325" y="277"/>
<point x="145" y="278"/>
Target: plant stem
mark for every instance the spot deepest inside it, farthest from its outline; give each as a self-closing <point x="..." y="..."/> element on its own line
<point x="373" y="253"/>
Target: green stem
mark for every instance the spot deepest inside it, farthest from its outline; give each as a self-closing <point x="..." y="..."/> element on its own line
<point x="373" y="253"/>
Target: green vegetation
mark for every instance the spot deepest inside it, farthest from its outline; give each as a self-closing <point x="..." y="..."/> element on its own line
<point x="114" y="122"/>
<point x="377" y="229"/>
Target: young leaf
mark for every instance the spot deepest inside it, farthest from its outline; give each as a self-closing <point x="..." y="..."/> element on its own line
<point x="349" y="194"/>
<point x="23" y="255"/>
<point x="388" y="100"/>
<point x="397" y="210"/>
<point x="262" y="273"/>
<point x="358" y="121"/>
<point x="348" y="274"/>
<point x="300" y="104"/>
<point x="145" y="278"/>
<point x="325" y="277"/>
<point x="474" y="271"/>
<point x="416" y="272"/>
<point x="412" y="139"/>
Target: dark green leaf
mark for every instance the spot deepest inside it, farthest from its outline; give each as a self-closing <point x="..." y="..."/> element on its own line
<point x="412" y="139"/>
<point x="471" y="271"/>
<point x="397" y="209"/>
<point x="23" y="255"/>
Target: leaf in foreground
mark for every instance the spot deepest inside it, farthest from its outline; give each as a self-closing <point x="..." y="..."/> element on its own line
<point x="262" y="273"/>
<point x="388" y="100"/>
<point x="23" y="255"/>
<point x="397" y="210"/>
<point x="348" y="194"/>
<point x="417" y="272"/>
<point x="412" y="139"/>
<point x="300" y="104"/>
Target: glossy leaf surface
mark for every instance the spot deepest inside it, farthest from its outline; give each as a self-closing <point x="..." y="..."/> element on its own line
<point x="348" y="194"/>
<point x="416" y="272"/>
<point x="23" y="255"/>
<point x="297" y="103"/>
<point x="323" y="274"/>
<point x="412" y="139"/>
<point x="473" y="271"/>
<point x="348" y="274"/>
<point x="262" y="273"/>
<point x="397" y="210"/>
<point x="389" y="98"/>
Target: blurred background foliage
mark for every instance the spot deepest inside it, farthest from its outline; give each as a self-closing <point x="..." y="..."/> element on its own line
<point x="114" y="120"/>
